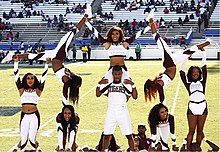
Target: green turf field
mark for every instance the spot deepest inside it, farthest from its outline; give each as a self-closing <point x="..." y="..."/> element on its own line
<point x="92" y="110"/>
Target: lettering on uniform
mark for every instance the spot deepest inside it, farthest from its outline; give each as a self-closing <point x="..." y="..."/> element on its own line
<point x="116" y="89"/>
<point x="195" y="86"/>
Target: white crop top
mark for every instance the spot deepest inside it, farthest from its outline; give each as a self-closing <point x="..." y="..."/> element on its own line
<point x="166" y="80"/>
<point x="196" y="90"/>
<point x="61" y="72"/>
<point x="29" y="97"/>
<point x="116" y="50"/>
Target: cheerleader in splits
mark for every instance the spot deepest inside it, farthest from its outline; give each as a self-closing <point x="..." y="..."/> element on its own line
<point x="161" y="124"/>
<point x="70" y="81"/>
<point x="151" y="87"/>
<point x="195" y="83"/>
<point x="30" y="90"/>
<point x="116" y="45"/>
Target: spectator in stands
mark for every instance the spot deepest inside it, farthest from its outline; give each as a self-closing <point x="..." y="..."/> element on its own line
<point x="206" y="20"/>
<point x="199" y="24"/>
<point x="180" y="21"/>
<point x="17" y="36"/>
<point x="147" y="9"/>
<point x="61" y="26"/>
<point x="170" y="25"/>
<point x="105" y="28"/>
<point x="110" y="16"/>
<point x="74" y="8"/>
<point x="20" y="15"/>
<point x="5" y="16"/>
<point x="186" y="19"/>
<point x="61" y="18"/>
<point x="146" y="142"/>
<point x="105" y="16"/>
<point x="157" y="3"/>
<point x="157" y="24"/>
<point x="112" y="146"/>
<point x="49" y="23"/>
<point x="34" y="13"/>
<point x="166" y="10"/>
<point x="191" y="16"/>
<point x="178" y="9"/>
<point x="55" y="21"/>
<point x="10" y="37"/>
<point x="134" y="25"/>
<point x="162" y="3"/>
<point x="172" y="8"/>
<point x="67" y="10"/>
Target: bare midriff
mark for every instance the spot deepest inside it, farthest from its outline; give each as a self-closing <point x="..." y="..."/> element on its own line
<point x="29" y="108"/>
<point x="119" y="60"/>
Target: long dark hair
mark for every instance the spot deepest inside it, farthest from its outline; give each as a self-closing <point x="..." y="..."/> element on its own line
<point x="72" y="120"/>
<point x="109" y="34"/>
<point x="24" y="81"/>
<point x="189" y="73"/>
<point x="76" y="82"/>
<point x="150" y="90"/>
<point x="154" y="118"/>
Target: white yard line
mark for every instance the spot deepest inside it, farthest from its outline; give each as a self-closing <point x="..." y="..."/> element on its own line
<point x="175" y="98"/>
<point x="7" y="90"/>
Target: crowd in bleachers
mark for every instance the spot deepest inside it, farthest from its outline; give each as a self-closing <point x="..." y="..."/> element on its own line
<point x="101" y="18"/>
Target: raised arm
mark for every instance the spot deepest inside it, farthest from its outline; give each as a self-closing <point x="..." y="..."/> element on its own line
<point x="44" y="75"/>
<point x="183" y="74"/>
<point x="204" y="69"/>
<point x="81" y="22"/>
<point x="96" y="33"/>
<point x="16" y="74"/>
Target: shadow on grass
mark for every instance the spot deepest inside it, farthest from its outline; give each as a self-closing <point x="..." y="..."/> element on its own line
<point x="9" y="111"/>
<point x="214" y="69"/>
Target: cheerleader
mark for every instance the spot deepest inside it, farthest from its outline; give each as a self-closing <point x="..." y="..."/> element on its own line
<point x="30" y="89"/>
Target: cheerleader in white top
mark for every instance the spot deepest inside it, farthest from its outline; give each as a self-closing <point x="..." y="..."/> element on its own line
<point x="152" y="86"/>
<point x="161" y="125"/>
<point x="195" y="83"/>
<point x="71" y="82"/>
<point x="30" y="90"/>
<point x="116" y="45"/>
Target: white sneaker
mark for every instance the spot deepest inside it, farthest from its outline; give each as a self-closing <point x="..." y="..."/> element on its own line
<point x="8" y="57"/>
<point x="150" y="15"/>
